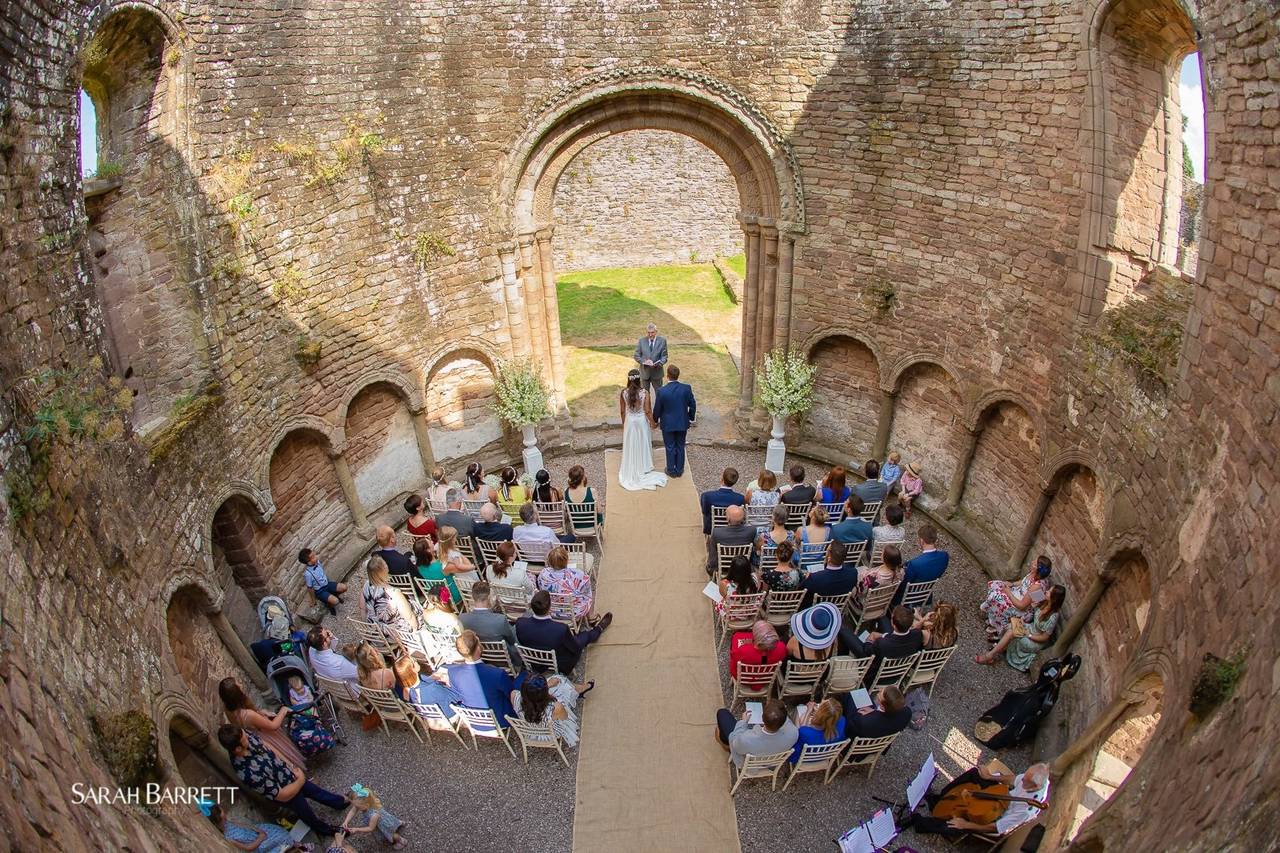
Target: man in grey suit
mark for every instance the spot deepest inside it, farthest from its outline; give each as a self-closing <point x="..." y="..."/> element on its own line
<point x="651" y="355"/>
<point x="489" y="625"/>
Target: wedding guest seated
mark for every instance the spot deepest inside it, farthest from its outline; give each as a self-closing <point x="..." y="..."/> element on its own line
<point x="910" y="486"/>
<point x="326" y="661"/>
<point x="510" y="490"/>
<point x="543" y="491"/>
<point x="777" y="532"/>
<point x="261" y="770"/>
<point x="939" y="626"/>
<point x="741" y="738"/>
<point x="428" y="566"/>
<point x="1022" y="641"/>
<point x="372" y="669"/>
<point x="256" y="838"/>
<point x="893" y="531"/>
<point x="765" y="492"/>
<point x="1005" y="600"/>
<point x="833" y="489"/>
<point x="478" y="684"/>
<point x="888" y="715"/>
<point x="579" y="492"/>
<point x="903" y="640"/>
<point x="538" y="630"/>
<point x="490" y="526"/>
<point x="1033" y="784"/>
<point x="488" y="624"/>
<point x="439" y="490"/>
<point x="411" y="687"/>
<point x="853" y="529"/>
<point x="819" y="723"/>
<point x="739" y="580"/>
<point x="872" y="489"/>
<point x="832" y="578"/>
<point x="813" y="633"/>
<point x="785" y="576"/>
<point x="891" y="471"/>
<point x="723" y="496"/>
<point x="397" y="563"/>
<point x="383" y="603"/>
<point x="554" y="697"/>
<point x="418" y="523"/>
<point x="889" y="571"/>
<point x="326" y="592"/>
<point x="454" y="517"/>
<point x="454" y="563"/>
<point x="509" y="571"/>
<point x="929" y="565"/>
<point x="439" y="618"/>
<point x="474" y="487"/>
<point x="758" y="646"/>
<point x="532" y="533"/>
<point x="798" y="491"/>
<point x="816" y="531"/>
<point x="563" y="579"/>
<point x="734" y="532"/>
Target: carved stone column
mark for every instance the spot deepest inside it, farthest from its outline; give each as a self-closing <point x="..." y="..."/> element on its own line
<point x="535" y="308"/>
<point x="513" y="293"/>
<point x="551" y="305"/>
<point x="782" y="296"/>
<point x="423" y="435"/>
<point x="231" y="640"/>
<point x="955" y="492"/>
<point x="884" y="424"/>
<point x="750" y="307"/>
<point x="348" y="485"/>
<point x="1081" y="613"/>
<point x="1029" y="532"/>
<point x="768" y="288"/>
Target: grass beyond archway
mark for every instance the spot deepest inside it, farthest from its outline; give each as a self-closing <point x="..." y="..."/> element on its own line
<point x="604" y="312"/>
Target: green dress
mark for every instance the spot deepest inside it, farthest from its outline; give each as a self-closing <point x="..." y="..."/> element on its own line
<point x="435" y="572"/>
<point x="1023" y="650"/>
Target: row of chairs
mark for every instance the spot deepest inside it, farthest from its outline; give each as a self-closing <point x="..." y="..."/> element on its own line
<point x="839" y="674"/>
<point x="797" y="514"/>
<point x="811" y="554"/>
<point x="828" y="758"/>
<point x="581" y="518"/>
<point x="477" y="722"/>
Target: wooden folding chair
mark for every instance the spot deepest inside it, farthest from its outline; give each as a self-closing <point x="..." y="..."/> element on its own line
<point x="813" y="553"/>
<point x="392" y="710"/>
<point x="533" y="552"/>
<point x="726" y="553"/>
<point x="551" y="515"/>
<point x="759" y="516"/>
<point x="428" y="714"/>
<point x="871" y="604"/>
<point x="928" y="668"/>
<point x="760" y="767"/>
<point x="835" y="512"/>
<point x="496" y="653"/>
<point x="482" y="722"/>
<point x="472" y="508"/>
<point x="584" y="522"/>
<point x="870" y="510"/>
<point x="488" y="551"/>
<point x="537" y="736"/>
<point x="801" y="679"/>
<point x="514" y="599"/>
<point x="512" y="510"/>
<point x="537" y="660"/>
<point x="768" y="558"/>
<point x="404" y="583"/>
<point x="845" y="673"/>
<point x="840" y="600"/>
<point x="562" y="609"/>
<point x="754" y="681"/>
<point x="779" y="607"/>
<point x="918" y="594"/>
<point x="427" y="588"/>
<point x="372" y="633"/>
<point x="343" y="695"/>
<point x="740" y="613"/>
<point x="892" y="672"/>
<point x="863" y="752"/>
<point x="718" y="517"/>
<point x="853" y="552"/>
<point x="817" y="758"/>
<point x="797" y="515"/>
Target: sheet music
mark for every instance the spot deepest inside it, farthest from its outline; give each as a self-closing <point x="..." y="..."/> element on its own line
<point x="919" y="786"/>
<point x="755" y="711"/>
<point x="857" y="840"/>
<point x="861" y="698"/>
<point x="869" y="836"/>
<point x="882" y="827"/>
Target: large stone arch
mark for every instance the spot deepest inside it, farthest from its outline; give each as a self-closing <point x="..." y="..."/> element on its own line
<point x="459" y="390"/>
<point x="383" y="449"/>
<point x="1070" y="530"/>
<point x="618" y="100"/>
<point x="198" y="652"/>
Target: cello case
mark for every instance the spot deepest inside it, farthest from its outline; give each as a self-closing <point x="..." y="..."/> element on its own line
<point x="1015" y="719"/>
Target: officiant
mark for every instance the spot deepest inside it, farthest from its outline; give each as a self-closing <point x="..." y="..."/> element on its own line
<point x="651" y="355"/>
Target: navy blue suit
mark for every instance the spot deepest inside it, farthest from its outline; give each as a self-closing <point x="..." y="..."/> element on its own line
<point x="481" y="685"/>
<point x="927" y="566"/>
<point x="674" y="409"/>
<point x="723" y="496"/>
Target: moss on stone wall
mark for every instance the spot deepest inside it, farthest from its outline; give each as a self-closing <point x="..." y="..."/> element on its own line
<point x="188" y="410"/>
<point x="1145" y="332"/>
<point x="128" y="743"/>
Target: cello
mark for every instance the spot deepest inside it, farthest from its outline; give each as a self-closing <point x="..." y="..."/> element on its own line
<point x="976" y="803"/>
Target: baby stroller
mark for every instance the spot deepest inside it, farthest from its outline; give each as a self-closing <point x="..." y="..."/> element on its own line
<point x="288" y="657"/>
<point x="1019" y="713"/>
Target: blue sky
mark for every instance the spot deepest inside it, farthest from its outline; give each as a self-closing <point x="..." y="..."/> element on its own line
<point x="1192" y="99"/>
<point x="88" y="134"/>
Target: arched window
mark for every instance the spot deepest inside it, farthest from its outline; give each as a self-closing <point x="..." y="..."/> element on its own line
<point x="1191" y="100"/>
<point x="88" y="136"/>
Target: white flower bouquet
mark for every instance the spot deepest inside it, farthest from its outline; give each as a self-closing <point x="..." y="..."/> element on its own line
<point x="521" y="398"/>
<point x="785" y="383"/>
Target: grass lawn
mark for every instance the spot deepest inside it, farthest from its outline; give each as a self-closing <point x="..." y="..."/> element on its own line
<point x="737" y="263"/>
<point x="613" y="306"/>
<point x="595" y="375"/>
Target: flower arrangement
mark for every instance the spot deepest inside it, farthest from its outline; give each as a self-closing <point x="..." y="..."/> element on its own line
<point x="521" y="397"/>
<point x="786" y="383"/>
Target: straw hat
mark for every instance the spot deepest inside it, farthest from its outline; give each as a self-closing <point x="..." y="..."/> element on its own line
<point x="817" y="626"/>
<point x="914" y="469"/>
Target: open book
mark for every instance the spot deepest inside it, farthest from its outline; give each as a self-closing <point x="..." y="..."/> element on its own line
<point x="712" y="591"/>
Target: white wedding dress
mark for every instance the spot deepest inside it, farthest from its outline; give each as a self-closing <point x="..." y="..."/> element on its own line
<point x="636" y="471"/>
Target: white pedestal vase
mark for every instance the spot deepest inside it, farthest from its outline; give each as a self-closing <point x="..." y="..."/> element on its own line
<point x="776" y="454"/>
<point x="532" y="455"/>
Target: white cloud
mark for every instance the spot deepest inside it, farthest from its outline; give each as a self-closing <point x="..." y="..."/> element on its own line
<point x="1192" y="100"/>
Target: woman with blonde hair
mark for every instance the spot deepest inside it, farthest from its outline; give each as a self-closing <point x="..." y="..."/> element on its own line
<point x="383" y="603"/>
<point x="439" y="486"/>
<point x="820" y="723"/>
<point x="816" y="532"/>
<point x="372" y="670"/>
<point x="453" y="562"/>
<point x="939" y="626"/>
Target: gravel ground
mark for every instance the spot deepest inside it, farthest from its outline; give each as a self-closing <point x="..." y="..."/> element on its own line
<point x="421" y="783"/>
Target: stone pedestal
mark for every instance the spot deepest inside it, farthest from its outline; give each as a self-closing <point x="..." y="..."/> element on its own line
<point x="776" y="453"/>
<point x="532" y="455"/>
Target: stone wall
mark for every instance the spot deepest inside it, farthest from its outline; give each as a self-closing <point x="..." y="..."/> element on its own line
<point x="847" y="390"/>
<point x="996" y="498"/>
<point x="643" y="198"/>
<point x="349" y="181"/>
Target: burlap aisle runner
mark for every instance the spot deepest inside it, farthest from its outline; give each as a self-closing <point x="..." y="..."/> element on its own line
<point x="650" y="776"/>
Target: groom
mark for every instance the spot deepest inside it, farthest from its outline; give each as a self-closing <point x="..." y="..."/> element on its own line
<point x="674" y="410"/>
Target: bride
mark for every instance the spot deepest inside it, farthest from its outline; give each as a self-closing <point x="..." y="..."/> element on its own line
<point x="636" y="411"/>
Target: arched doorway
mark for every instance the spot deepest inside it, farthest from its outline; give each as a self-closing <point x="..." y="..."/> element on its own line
<point x="693" y="105"/>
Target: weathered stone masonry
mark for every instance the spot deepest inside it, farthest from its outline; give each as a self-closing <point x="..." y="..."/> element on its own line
<point x="954" y="186"/>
